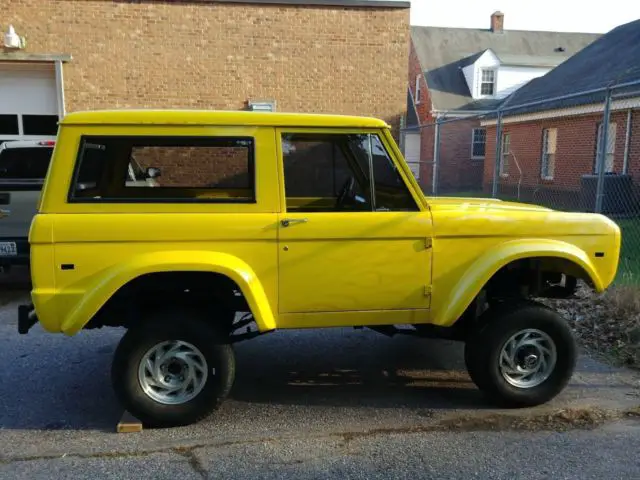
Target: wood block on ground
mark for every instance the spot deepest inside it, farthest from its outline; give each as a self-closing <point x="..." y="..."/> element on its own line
<point x="128" y="424"/>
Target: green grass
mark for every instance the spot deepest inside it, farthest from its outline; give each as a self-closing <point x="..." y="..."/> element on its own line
<point x="629" y="268"/>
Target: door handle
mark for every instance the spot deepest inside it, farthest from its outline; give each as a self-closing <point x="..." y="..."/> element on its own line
<point x="285" y="222"/>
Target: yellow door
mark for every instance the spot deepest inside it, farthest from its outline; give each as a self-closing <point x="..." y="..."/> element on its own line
<point x="349" y="241"/>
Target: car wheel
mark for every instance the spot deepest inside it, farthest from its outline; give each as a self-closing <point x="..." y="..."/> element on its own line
<point x="523" y="354"/>
<point x="172" y="370"/>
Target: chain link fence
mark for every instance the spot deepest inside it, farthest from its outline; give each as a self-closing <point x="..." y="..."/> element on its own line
<point x="579" y="152"/>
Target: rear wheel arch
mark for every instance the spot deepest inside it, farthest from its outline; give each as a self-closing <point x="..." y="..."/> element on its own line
<point x="210" y="292"/>
<point x="224" y="269"/>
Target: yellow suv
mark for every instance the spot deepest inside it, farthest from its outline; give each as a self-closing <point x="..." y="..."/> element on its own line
<point x="243" y="223"/>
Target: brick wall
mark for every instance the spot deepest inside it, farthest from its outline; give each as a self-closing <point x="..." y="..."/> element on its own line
<point x="575" y="154"/>
<point x="217" y="55"/>
<point x="458" y="170"/>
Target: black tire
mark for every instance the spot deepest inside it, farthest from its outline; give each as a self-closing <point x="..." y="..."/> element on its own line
<point x="483" y="349"/>
<point x="181" y="325"/>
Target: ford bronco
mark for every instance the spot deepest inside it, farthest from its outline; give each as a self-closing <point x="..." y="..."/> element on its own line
<point x="266" y="221"/>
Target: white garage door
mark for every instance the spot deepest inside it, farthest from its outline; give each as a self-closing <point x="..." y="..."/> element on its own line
<point x="412" y="152"/>
<point x="28" y="101"/>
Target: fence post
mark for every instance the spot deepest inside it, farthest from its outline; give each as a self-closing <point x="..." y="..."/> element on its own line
<point x="602" y="152"/>
<point x="436" y="158"/>
<point x="496" y="164"/>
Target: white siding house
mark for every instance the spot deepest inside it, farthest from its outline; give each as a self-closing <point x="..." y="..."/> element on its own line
<point x="510" y="78"/>
<point x="491" y="76"/>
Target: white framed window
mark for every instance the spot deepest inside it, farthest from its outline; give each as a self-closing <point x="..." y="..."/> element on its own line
<point x="506" y="151"/>
<point x="549" y="146"/>
<point x="478" y="142"/>
<point x="487" y="82"/>
<point x="610" y="150"/>
<point x="418" y="91"/>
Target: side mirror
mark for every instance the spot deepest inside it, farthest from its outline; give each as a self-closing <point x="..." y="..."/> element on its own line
<point x="153" y="172"/>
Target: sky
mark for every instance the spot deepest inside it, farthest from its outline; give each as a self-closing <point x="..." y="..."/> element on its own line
<point x="550" y="15"/>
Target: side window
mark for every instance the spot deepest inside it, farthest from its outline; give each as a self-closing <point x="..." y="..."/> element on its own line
<point x="320" y="171"/>
<point x="161" y="169"/>
<point x="332" y="172"/>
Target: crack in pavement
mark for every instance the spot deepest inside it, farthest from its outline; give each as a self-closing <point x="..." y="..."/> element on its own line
<point x="192" y="460"/>
<point x="556" y="420"/>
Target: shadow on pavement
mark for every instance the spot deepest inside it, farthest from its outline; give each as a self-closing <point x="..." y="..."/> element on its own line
<point x="343" y="367"/>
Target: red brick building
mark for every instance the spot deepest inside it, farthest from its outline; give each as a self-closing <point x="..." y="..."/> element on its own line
<point x="322" y="56"/>
<point x="551" y="147"/>
<point x="457" y="75"/>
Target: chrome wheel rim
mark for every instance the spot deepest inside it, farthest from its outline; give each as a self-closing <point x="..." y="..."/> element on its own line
<point x="528" y="358"/>
<point x="172" y="372"/>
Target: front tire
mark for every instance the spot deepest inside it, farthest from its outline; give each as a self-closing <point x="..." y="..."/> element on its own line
<point x="523" y="355"/>
<point x="172" y="370"/>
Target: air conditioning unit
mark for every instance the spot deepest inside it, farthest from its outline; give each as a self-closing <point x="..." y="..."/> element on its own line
<point x="618" y="193"/>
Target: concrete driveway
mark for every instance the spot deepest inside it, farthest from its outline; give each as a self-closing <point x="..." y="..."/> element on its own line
<point x="318" y="404"/>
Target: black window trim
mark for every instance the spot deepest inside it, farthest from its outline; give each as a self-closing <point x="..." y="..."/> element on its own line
<point x="190" y="141"/>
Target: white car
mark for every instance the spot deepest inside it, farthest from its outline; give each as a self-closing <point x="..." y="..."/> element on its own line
<point x="23" y="166"/>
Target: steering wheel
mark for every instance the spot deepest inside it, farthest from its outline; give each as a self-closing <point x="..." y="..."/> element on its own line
<point x="347" y="191"/>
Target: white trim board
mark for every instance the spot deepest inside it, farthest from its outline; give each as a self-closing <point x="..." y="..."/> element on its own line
<point x="625" y="104"/>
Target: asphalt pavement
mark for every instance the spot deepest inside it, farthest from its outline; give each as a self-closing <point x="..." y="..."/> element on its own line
<point x="308" y="404"/>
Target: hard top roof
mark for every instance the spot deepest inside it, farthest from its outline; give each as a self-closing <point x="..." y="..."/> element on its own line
<point x="213" y="117"/>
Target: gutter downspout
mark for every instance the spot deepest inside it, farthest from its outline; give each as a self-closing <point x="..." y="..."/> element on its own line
<point x="60" y="89"/>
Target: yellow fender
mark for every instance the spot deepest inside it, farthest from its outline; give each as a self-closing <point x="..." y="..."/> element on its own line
<point x="481" y="271"/>
<point x="109" y="282"/>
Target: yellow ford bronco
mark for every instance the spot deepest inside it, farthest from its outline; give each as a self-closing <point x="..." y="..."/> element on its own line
<point x="244" y="223"/>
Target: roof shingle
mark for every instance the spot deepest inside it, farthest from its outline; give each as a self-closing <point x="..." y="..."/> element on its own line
<point x="612" y="59"/>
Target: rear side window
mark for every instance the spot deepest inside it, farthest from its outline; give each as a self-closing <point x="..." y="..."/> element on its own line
<point x="24" y="163"/>
<point x="165" y="169"/>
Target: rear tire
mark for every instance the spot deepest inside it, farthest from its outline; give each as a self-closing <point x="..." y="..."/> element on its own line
<point x="523" y="354"/>
<point x="172" y="370"/>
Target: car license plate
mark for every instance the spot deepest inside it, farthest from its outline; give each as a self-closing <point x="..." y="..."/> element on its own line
<point x="8" y="249"/>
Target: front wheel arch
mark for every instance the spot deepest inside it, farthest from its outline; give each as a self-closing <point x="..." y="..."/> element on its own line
<point x="473" y="282"/>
